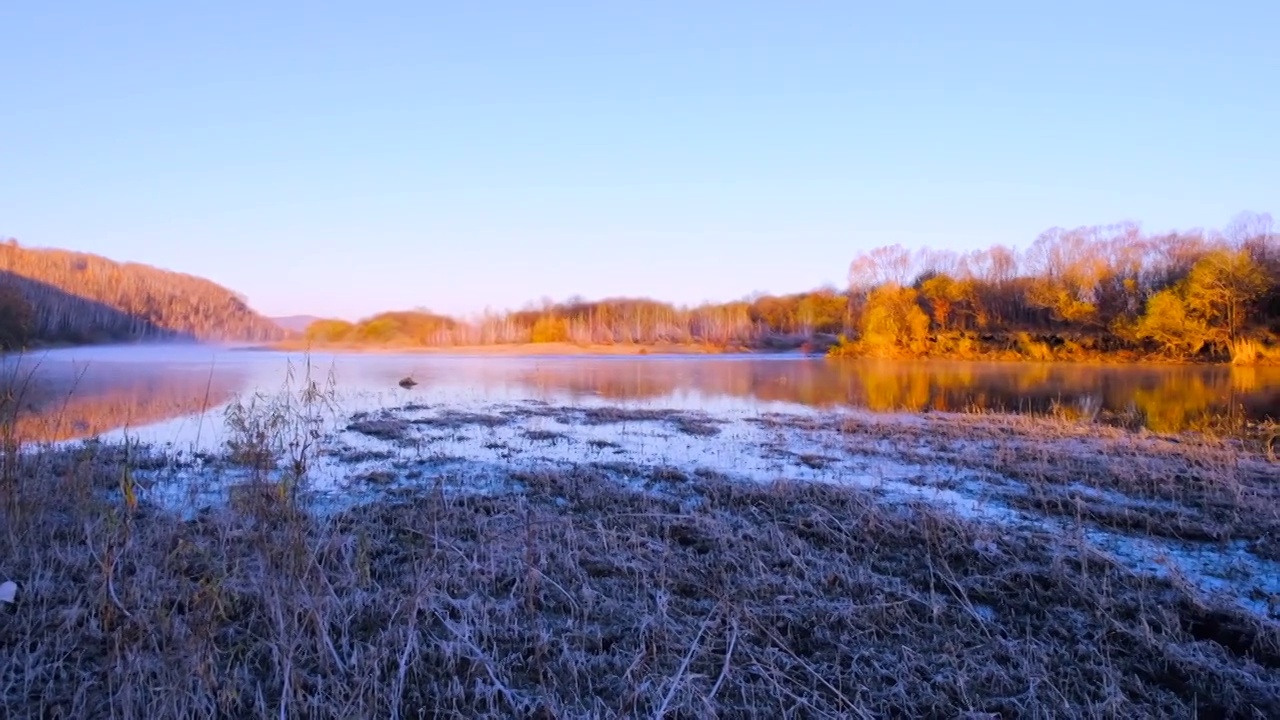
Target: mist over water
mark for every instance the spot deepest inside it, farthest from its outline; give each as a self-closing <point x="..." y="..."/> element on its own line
<point x="174" y="393"/>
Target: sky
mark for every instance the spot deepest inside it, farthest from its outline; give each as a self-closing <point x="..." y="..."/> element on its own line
<point x="339" y="161"/>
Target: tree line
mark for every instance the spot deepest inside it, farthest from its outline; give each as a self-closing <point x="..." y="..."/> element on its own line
<point x="786" y="321"/>
<point x="1076" y="293"/>
<point x="1087" y="292"/>
<point x="56" y="296"/>
<point x="1071" y="294"/>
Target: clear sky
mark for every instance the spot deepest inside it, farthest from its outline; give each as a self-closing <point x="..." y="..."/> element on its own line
<point x="388" y="155"/>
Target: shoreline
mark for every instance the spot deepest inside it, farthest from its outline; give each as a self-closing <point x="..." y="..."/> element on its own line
<point x="629" y="350"/>
<point x="562" y="570"/>
<point x="566" y="349"/>
<point x="516" y="349"/>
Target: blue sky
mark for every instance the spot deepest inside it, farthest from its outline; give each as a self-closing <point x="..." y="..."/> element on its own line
<point x="389" y="155"/>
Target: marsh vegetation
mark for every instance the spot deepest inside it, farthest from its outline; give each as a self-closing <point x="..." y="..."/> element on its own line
<point x="548" y="558"/>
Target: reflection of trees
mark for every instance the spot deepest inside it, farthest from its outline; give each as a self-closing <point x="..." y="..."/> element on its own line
<point x="1169" y="409"/>
<point x="1246" y="378"/>
<point x="1200" y="399"/>
<point x="1258" y="398"/>
<point x="63" y="403"/>
<point x="1168" y="398"/>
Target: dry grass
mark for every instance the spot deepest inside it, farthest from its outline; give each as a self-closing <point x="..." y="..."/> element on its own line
<point x="580" y="598"/>
<point x="1189" y="486"/>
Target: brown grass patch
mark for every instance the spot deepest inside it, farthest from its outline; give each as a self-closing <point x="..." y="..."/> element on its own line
<point x="581" y="598"/>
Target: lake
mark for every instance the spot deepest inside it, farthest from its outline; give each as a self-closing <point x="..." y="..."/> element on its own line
<point x="219" y="422"/>
<point x="177" y="394"/>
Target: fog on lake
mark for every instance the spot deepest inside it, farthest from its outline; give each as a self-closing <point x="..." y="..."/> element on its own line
<point x="172" y="393"/>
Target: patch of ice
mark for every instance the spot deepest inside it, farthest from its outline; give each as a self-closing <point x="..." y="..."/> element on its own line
<point x="475" y="447"/>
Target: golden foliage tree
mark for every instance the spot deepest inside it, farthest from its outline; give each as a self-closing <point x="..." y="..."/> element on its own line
<point x="329" y="331"/>
<point x="942" y="293"/>
<point x="1221" y="288"/>
<point x="550" y="330"/>
<point x="893" y="321"/>
<point x="1169" y="322"/>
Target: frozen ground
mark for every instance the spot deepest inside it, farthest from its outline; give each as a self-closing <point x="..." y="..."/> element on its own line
<point x="1200" y="512"/>
<point x="591" y="538"/>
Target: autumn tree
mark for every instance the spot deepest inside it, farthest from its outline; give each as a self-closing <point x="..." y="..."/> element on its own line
<point x="550" y="330"/>
<point x="890" y="264"/>
<point x="991" y="284"/>
<point x="1222" y="287"/>
<point x="377" y="331"/>
<point x="329" y="331"/>
<point x="822" y="312"/>
<point x="893" y="321"/>
<point x="1172" y="324"/>
<point x="1068" y="270"/>
<point x="941" y="293"/>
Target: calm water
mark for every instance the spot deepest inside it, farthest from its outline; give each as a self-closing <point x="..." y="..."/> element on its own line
<point x="175" y="394"/>
<point x="473" y="424"/>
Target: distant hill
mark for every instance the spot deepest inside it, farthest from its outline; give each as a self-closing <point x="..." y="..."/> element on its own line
<point x="68" y="297"/>
<point x="295" y="323"/>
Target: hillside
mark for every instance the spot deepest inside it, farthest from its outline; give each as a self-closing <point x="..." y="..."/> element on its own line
<point x="295" y="323"/>
<point x="57" y="296"/>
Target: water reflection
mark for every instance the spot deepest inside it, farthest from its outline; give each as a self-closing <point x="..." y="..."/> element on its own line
<point x="1163" y="398"/>
<point x="55" y="401"/>
<point x="91" y="392"/>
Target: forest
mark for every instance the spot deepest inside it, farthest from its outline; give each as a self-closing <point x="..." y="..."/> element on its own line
<point x="1105" y="291"/>
<point x="1088" y="293"/>
<point x="60" y="297"/>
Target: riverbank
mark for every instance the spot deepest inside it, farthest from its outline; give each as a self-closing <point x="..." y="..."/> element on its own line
<point x="627" y="562"/>
<point x="970" y="347"/>
<point x="1050" y="347"/>
<point x="514" y="349"/>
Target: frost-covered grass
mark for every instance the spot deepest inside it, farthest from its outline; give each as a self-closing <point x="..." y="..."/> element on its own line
<point x="530" y="560"/>
<point x="1152" y="500"/>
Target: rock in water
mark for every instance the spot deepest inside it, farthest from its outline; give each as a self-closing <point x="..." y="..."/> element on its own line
<point x="408" y="382"/>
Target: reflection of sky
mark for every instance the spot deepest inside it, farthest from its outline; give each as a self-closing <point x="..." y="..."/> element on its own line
<point x="61" y="395"/>
<point x="158" y="392"/>
<point x="166" y="387"/>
